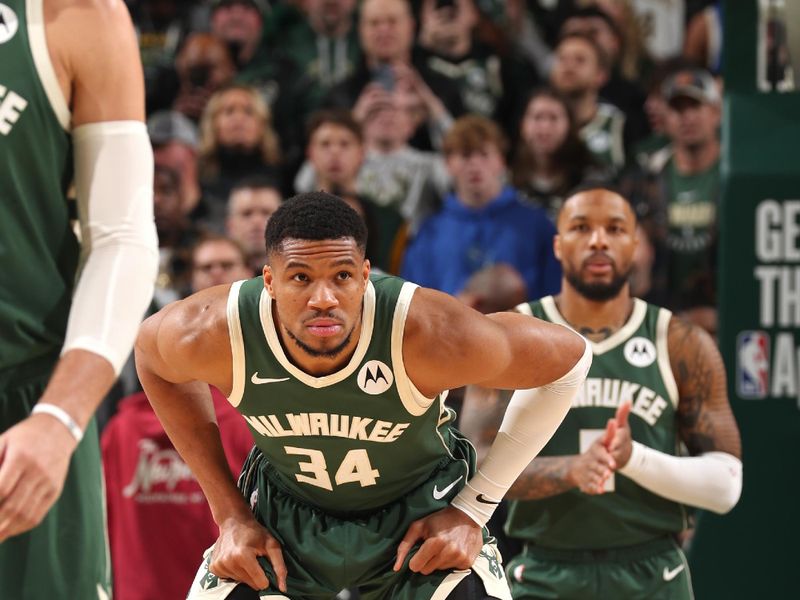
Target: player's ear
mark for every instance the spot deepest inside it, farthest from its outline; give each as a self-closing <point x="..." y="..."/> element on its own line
<point x="365" y="271"/>
<point x="268" y="280"/>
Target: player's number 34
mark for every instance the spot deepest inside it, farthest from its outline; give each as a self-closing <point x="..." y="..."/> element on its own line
<point x="355" y="468"/>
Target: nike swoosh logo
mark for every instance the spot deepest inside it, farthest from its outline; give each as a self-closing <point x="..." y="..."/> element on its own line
<point x="439" y="494"/>
<point x="669" y="575"/>
<point x="259" y="380"/>
<point x="484" y="500"/>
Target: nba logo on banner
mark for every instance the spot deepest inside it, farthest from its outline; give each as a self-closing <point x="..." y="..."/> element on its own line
<point x="752" y="364"/>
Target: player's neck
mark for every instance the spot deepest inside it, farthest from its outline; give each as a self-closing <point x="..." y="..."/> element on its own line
<point x="595" y="320"/>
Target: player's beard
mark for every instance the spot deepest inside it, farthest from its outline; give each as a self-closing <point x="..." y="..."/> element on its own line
<point x="330" y="353"/>
<point x="598" y="291"/>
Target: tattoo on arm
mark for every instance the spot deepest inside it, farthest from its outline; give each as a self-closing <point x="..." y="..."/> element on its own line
<point x="546" y="476"/>
<point x="705" y="419"/>
<point x="481" y="416"/>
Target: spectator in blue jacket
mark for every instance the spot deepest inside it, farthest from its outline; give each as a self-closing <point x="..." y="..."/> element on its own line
<point x="483" y="222"/>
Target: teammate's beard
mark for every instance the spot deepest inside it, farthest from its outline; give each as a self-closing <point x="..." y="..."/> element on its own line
<point x="331" y="353"/>
<point x="598" y="292"/>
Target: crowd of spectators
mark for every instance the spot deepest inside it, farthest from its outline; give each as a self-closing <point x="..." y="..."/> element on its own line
<point x="456" y="128"/>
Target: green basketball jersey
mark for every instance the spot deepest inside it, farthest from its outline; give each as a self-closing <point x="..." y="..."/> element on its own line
<point x="633" y="365"/>
<point x="350" y="441"/>
<point x="603" y="136"/>
<point x="38" y="250"/>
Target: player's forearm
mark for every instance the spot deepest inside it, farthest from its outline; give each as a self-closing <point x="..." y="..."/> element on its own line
<point x="115" y="206"/>
<point x="546" y="476"/>
<point x="186" y="412"/>
<point x="79" y="383"/>
<point x="712" y="481"/>
<point x="530" y="421"/>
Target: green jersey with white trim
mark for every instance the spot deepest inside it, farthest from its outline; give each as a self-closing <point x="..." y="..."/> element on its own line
<point x="632" y="365"/>
<point x="38" y="249"/>
<point x="347" y="442"/>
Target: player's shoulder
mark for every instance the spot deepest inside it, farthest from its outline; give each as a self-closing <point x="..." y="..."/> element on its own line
<point x="87" y="7"/>
<point x="682" y="330"/>
<point x="690" y="347"/>
<point x="192" y="326"/>
<point x="99" y="20"/>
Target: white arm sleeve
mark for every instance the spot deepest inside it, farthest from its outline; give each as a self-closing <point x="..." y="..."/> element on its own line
<point x="114" y="185"/>
<point x="712" y="480"/>
<point x="531" y="419"/>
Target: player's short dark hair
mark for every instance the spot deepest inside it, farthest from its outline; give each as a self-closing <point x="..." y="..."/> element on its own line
<point x="590" y="187"/>
<point x="314" y="216"/>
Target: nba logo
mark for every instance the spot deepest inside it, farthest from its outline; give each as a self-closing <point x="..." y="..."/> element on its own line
<point x="752" y="364"/>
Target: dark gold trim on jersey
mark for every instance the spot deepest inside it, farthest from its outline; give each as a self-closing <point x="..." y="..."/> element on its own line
<point x="367" y="323"/>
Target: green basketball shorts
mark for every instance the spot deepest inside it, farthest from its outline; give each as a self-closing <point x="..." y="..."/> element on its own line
<point x="655" y="570"/>
<point x="326" y="553"/>
<point x="66" y="555"/>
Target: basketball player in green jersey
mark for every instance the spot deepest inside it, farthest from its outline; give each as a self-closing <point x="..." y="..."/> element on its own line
<point x="71" y="111"/>
<point x="358" y="478"/>
<point x="599" y="510"/>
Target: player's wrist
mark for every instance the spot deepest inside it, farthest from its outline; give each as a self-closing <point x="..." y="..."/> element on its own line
<point x="571" y="470"/>
<point x="55" y="413"/>
<point x="478" y="499"/>
<point x="636" y="460"/>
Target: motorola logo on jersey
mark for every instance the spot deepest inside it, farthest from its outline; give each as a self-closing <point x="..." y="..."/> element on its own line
<point x="640" y="352"/>
<point x="375" y="377"/>
<point x="8" y="23"/>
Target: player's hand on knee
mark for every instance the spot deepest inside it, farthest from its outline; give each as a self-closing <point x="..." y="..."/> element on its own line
<point x="34" y="458"/>
<point x="590" y="470"/>
<point x="450" y="540"/>
<point x="241" y="541"/>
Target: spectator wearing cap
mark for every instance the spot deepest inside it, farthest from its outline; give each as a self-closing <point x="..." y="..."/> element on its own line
<point x="677" y="197"/>
<point x="483" y="222"/>
<point x="655" y="107"/>
<point x="174" y="138"/>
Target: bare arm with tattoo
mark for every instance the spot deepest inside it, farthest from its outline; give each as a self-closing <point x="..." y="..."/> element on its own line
<point x="545" y="476"/>
<point x="705" y="419"/>
<point x="711" y="477"/>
